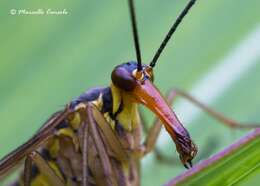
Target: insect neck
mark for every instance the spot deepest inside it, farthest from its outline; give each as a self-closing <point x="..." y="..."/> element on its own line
<point x="125" y="109"/>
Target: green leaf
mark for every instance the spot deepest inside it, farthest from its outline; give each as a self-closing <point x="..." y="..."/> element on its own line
<point x="239" y="164"/>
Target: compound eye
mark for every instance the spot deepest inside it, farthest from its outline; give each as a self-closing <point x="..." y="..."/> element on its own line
<point x="123" y="79"/>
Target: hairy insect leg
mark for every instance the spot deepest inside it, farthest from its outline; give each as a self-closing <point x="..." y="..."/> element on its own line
<point x="213" y="113"/>
<point x="169" y="160"/>
<point x="106" y="163"/>
<point x="44" y="168"/>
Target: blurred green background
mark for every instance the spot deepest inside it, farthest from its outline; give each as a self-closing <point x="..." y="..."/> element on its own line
<point x="46" y="60"/>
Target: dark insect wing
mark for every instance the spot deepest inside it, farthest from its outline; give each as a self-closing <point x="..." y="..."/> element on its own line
<point x="12" y="159"/>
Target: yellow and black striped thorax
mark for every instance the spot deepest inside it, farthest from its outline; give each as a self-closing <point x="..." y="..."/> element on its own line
<point x="65" y="144"/>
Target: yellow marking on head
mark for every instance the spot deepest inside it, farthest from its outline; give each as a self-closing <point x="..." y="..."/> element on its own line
<point x="127" y="117"/>
<point x="116" y="94"/>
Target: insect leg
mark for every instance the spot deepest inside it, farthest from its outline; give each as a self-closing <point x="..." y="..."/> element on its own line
<point x="218" y="116"/>
<point x="168" y="160"/>
<point x="155" y="130"/>
<point x="109" y="176"/>
<point x="27" y="171"/>
<point x="111" y="138"/>
<point x="45" y="169"/>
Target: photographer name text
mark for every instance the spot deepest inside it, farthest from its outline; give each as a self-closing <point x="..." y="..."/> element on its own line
<point x="39" y="11"/>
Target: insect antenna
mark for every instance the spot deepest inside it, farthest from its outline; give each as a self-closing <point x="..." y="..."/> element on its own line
<point x="135" y="34"/>
<point x="171" y="31"/>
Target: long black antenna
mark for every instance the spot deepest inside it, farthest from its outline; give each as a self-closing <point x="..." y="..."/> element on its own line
<point x="171" y="31"/>
<point x="135" y="34"/>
